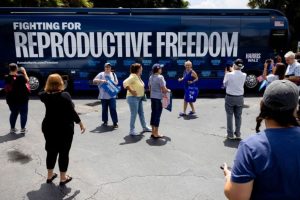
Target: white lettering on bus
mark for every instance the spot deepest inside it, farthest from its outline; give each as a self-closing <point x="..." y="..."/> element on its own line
<point x="43" y="45"/>
<point x="125" y="44"/>
<point x="56" y="44"/>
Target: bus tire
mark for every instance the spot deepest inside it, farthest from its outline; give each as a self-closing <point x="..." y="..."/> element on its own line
<point x="35" y="82"/>
<point x="251" y="81"/>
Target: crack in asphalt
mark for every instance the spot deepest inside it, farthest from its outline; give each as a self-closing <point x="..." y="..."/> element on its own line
<point x="100" y="189"/>
<point x="60" y="190"/>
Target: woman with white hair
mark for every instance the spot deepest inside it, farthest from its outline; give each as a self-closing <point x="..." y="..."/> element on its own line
<point x="189" y="79"/>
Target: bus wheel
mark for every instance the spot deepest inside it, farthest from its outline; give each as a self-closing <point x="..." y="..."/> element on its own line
<point x="35" y="83"/>
<point x="251" y="81"/>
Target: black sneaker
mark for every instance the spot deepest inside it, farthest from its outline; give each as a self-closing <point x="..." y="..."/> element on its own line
<point x="104" y="124"/>
<point x="116" y="125"/>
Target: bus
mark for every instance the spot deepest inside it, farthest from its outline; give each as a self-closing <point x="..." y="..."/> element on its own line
<point x="76" y="42"/>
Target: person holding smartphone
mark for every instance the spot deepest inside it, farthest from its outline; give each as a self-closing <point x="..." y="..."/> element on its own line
<point x="267" y="164"/>
<point x="278" y="71"/>
<point x="17" y="96"/>
<point x="234" y="100"/>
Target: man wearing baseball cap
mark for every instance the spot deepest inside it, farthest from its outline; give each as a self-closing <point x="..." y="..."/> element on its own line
<point x="267" y="164"/>
<point x="234" y="81"/>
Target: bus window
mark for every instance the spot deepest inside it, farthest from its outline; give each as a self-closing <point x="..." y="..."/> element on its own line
<point x="255" y="32"/>
<point x="278" y="38"/>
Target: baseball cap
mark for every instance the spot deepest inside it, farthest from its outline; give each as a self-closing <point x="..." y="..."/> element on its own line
<point x="106" y="64"/>
<point x="239" y="63"/>
<point x="281" y="95"/>
<point x="158" y="66"/>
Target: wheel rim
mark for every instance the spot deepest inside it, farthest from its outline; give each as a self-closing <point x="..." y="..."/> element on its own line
<point x="34" y="83"/>
<point x="251" y="81"/>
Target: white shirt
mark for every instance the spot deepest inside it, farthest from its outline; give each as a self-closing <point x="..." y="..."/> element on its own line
<point x="293" y="69"/>
<point x="272" y="77"/>
<point x="105" y="76"/>
<point x="234" y="83"/>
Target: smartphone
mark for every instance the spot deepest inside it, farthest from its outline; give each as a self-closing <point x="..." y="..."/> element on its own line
<point x="222" y="167"/>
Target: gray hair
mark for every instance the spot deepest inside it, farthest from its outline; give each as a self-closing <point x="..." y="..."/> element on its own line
<point x="290" y="54"/>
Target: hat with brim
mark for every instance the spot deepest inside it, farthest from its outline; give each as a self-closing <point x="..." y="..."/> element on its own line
<point x="157" y="66"/>
<point x="239" y="63"/>
<point x="107" y="64"/>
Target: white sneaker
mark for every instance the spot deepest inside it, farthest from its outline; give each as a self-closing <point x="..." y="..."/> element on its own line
<point x="23" y="130"/>
<point x="13" y="130"/>
<point x="147" y="129"/>
<point x="229" y="138"/>
<point x="133" y="133"/>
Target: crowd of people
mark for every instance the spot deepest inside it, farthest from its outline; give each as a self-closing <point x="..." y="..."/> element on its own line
<point x="266" y="165"/>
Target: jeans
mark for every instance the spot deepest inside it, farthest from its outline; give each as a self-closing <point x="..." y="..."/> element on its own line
<point x="136" y="107"/>
<point x="111" y="104"/>
<point x="234" y="107"/>
<point x="156" y="110"/>
<point x="15" y="111"/>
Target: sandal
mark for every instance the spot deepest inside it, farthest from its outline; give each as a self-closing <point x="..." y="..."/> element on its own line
<point x="156" y="137"/>
<point x="62" y="183"/>
<point x="51" y="179"/>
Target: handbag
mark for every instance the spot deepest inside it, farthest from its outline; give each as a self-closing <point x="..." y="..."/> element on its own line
<point x="191" y="94"/>
<point x="167" y="101"/>
<point x="144" y="98"/>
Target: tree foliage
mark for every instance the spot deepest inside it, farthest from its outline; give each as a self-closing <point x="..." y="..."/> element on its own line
<point x="291" y="8"/>
<point x="46" y="3"/>
<point x="141" y="3"/>
<point x="97" y="3"/>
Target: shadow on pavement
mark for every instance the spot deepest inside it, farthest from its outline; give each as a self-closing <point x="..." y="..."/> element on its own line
<point x="231" y="143"/>
<point x="103" y="129"/>
<point x="159" y="141"/>
<point x="189" y="117"/>
<point x="10" y="137"/>
<point x="130" y="139"/>
<point x="52" y="192"/>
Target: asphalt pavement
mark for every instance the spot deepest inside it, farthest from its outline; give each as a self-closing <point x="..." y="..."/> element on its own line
<point x="108" y="164"/>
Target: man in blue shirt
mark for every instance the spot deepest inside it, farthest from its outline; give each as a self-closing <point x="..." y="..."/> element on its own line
<point x="267" y="165"/>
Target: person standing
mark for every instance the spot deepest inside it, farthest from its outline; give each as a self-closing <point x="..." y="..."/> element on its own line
<point x="278" y="72"/>
<point x="297" y="56"/>
<point x="234" y="100"/>
<point x="107" y="101"/>
<point x="157" y="85"/>
<point x="58" y="127"/>
<point x="17" y="96"/>
<point x="266" y="165"/>
<point x="293" y="69"/>
<point x="189" y="78"/>
<point x="135" y="95"/>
